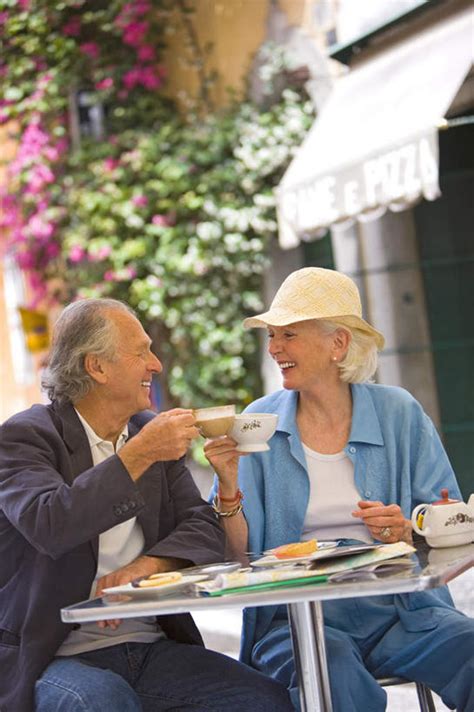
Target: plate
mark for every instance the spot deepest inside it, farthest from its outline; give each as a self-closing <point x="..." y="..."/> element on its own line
<point x="153" y="591"/>
<point x="325" y="550"/>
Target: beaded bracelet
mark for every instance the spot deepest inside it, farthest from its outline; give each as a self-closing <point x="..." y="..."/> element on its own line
<point x="236" y="498"/>
<point x="230" y="513"/>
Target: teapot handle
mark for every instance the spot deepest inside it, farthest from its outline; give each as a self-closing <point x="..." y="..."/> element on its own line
<point x="414" y="517"/>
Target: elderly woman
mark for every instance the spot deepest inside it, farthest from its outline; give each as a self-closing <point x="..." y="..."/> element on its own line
<point x="349" y="459"/>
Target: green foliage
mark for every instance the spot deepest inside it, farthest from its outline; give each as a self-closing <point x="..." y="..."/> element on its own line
<point x="172" y="214"/>
<point x="177" y="222"/>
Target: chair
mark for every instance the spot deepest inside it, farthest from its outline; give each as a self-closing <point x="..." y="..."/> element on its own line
<point x="425" y="698"/>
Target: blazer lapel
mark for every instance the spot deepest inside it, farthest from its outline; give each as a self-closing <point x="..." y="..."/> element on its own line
<point x="151" y="485"/>
<point x="77" y="443"/>
<point x="75" y="438"/>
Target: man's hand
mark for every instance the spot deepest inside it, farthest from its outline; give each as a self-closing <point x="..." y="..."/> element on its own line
<point x="384" y="522"/>
<point x="143" y="566"/>
<point x="166" y="437"/>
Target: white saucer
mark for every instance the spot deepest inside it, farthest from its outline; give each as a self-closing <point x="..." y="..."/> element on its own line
<point x="154" y="591"/>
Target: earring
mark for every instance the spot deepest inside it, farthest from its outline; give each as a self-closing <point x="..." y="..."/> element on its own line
<point x="334" y="358"/>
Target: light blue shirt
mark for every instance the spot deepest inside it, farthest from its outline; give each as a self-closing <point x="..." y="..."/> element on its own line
<point x="397" y="455"/>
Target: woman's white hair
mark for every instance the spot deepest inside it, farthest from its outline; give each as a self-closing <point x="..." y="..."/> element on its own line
<point x="360" y="362"/>
<point x="82" y="328"/>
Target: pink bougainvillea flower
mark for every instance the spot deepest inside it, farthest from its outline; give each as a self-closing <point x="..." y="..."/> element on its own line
<point x="110" y="164"/>
<point x="146" y="76"/>
<point x="77" y="254"/>
<point x="44" y="79"/>
<point x="106" y="83"/>
<point x="34" y="137"/>
<point x="39" y="176"/>
<point x="72" y="28"/>
<point x="131" y="78"/>
<point x="52" y="153"/>
<point x="130" y="11"/>
<point x="3" y="18"/>
<point x="52" y="249"/>
<point x="110" y="276"/>
<point x="146" y="53"/>
<point x="141" y="7"/>
<point x="24" y="4"/>
<point x="40" y="228"/>
<point x="140" y="201"/>
<point x="134" y="32"/>
<point x="62" y="145"/>
<point x="10" y="214"/>
<point x="40" y="64"/>
<point x="26" y="260"/>
<point x="150" y="79"/>
<point x="91" y="49"/>
<point x="160" y="220"/>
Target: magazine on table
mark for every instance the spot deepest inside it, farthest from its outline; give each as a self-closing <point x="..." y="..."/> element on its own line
<point x="295" y="574"/>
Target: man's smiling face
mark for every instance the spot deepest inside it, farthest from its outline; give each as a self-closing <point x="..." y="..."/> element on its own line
<point x="129" y="375"/>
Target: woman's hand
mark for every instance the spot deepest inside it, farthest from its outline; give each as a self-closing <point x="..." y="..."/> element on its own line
<point x="224" y="458"/>
<point x="384" y="522"/>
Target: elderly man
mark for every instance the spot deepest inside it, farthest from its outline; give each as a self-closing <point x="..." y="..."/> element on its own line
<point x="93" y="493"/>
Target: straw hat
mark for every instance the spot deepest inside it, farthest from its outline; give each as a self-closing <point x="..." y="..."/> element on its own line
<point x="316" y="293"/>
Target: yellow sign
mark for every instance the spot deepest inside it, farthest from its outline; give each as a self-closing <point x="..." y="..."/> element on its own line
<point x="35" y="326"/>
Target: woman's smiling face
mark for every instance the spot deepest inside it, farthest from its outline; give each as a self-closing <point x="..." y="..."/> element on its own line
<point x="303" y="353"/>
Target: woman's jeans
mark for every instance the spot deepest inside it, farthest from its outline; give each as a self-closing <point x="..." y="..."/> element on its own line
<point x="366" y="639"/>
<point x="151" y="677"/>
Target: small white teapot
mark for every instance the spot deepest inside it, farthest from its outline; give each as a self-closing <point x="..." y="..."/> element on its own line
<point x="448" y="522"/>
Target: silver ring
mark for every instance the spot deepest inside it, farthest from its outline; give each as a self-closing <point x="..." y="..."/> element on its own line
<point x="386" y="532"/>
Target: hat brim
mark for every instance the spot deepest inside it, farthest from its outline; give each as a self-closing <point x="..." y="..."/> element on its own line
<point x="283" y="317"/>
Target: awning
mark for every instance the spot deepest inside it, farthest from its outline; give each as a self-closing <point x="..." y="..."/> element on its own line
<point x="375" y="144"/>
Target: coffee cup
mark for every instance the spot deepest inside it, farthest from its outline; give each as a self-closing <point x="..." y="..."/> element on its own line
<point x="216" y="421"/>
<point x="251" y="431"/>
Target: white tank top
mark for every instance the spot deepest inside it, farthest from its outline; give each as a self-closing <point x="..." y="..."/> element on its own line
<point x="332" y="498"/>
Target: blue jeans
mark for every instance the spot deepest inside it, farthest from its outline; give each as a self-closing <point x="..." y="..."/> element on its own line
<point x="366" y="639"/>
<point x="151" y="677"/>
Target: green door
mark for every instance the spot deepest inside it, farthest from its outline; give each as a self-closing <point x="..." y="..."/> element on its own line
<point x="445" y="233"/>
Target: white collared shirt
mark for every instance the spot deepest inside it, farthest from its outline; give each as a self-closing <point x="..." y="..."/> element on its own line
<point x="117" y="547"/>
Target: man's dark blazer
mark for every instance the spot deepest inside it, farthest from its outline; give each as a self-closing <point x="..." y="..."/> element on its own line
<point x="53" y="505"/>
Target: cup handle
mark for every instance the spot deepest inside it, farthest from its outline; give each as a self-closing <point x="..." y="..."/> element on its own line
<point x="414" y="517"/>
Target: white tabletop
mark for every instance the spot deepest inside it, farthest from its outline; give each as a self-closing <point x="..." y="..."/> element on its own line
<point x="435" y="567"/>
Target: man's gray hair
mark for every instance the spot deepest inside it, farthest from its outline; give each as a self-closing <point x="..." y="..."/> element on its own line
<point x="84" y="327"/>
